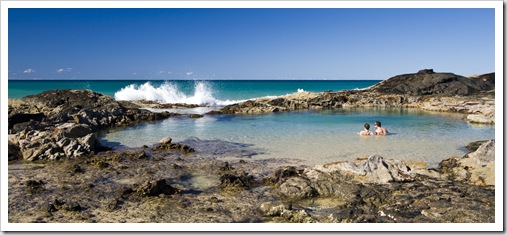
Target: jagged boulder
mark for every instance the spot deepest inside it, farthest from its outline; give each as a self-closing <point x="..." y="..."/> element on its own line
<point x="339" y="179"/>
<point x="39" y="145"/>
<point x="374" y="169"/>
<point x="71" y="130"/>
<point x="68" y="140"/>
<point x="476" y="167"/>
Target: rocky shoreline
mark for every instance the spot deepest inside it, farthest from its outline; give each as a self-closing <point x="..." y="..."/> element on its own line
<point x="426" y="90"/>
<point x="59" y="172"/>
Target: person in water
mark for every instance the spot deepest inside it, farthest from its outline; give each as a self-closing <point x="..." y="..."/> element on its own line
<point x="379" y="129"/>
<point x="366" y="131"/>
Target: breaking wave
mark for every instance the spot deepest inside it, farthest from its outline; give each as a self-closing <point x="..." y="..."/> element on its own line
<point x="170" y="93"/>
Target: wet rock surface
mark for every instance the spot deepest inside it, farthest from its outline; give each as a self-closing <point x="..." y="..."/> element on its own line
<point x="119" y="186"/>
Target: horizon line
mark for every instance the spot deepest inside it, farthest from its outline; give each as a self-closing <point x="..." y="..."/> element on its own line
<point x="192" y="79"/>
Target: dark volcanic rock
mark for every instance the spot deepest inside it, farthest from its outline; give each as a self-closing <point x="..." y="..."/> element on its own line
<point x="424" y="200"/>
<point x="297" y="188"/>
<point x="156" y="187"/>
<point x="16" y="118"/>
<point x="83" y="107"/>
<point x="166" y="144"/>
<point x="281" y="175"/>
<point x="485" y="81"/>
<point x="14" y="152"/>
<point x="472" y="147"/>
<point x="71" y="206"/>
<point x="427" y="82"/>
<point x="196" y="116"/>
<point x="135" y="155"/>
<point x="34" y="186"/>
<point x="243" y="181"/>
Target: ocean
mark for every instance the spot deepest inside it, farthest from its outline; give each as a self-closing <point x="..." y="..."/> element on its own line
<point x="306" y="137"/>
<point x="213" y="92"/>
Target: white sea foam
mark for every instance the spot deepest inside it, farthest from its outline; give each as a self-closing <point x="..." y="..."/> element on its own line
<point x="299" y="90"/>
<point x="169" y="93"/>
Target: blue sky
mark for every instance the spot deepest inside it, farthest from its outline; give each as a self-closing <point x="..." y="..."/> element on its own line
<point x="247" y="43"/>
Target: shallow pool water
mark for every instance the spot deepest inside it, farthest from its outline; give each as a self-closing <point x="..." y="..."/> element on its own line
<point x="314" y="137"/>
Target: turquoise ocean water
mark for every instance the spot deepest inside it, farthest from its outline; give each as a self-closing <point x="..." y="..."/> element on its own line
<point x="308" y="137"/>
<point x="184" y="90"/>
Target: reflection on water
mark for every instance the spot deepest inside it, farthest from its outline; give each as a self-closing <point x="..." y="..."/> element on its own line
<point x="315" y="137"/>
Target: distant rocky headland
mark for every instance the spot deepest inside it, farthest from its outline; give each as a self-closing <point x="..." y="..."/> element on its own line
<point x="427" y="90"/>
<point x="59" y="171"/>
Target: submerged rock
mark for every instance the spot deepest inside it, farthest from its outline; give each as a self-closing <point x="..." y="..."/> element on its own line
<point x="195" y="116"/>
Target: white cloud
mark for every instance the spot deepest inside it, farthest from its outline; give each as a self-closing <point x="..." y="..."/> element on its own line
<point x="29" y="71"/>
<point x="189" y="73"/>
<point x="64" y="70"/>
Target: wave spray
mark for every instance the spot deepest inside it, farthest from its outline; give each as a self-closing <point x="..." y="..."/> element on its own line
<point x="169" y="93"/>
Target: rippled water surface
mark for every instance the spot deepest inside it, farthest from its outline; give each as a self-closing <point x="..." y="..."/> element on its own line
<point x="314" y="137"/>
